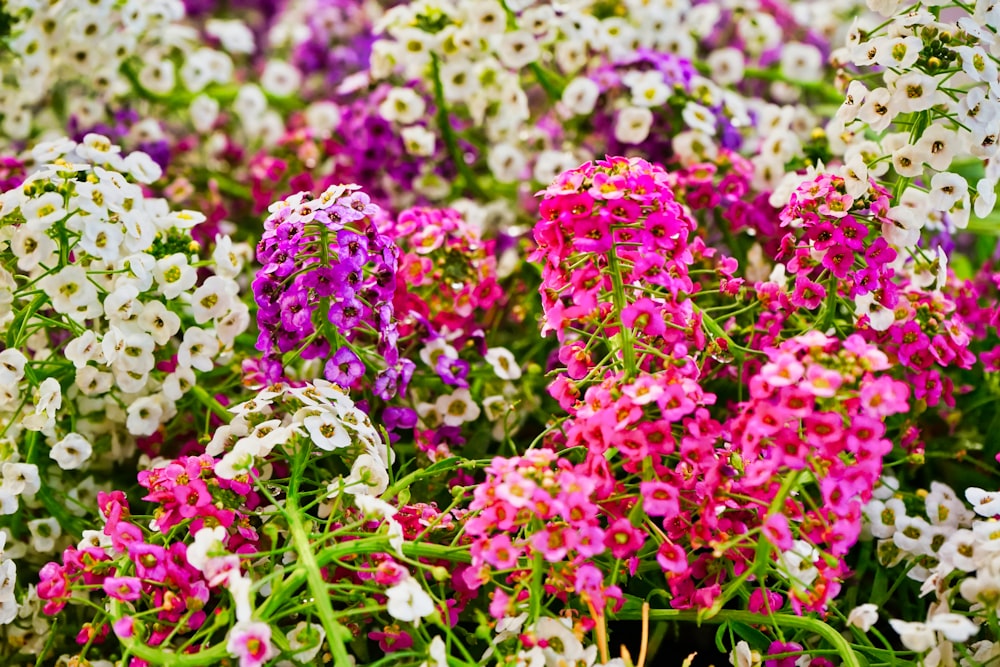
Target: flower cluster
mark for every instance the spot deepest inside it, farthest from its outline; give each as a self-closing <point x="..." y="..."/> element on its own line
<point x="326" y="290"/>
<point x="614" y="219"/>
<point x="96" y="56"/>
<point x="111" y="314"/>
<point x="540" y="505"/>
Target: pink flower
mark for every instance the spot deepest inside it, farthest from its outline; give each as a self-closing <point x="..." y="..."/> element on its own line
<point x="623" y="539"/>
<point x="645" y="315"/>
<point x="124" y="627"/>
<point x="123" y="588"/>
<point x="659" y="499"/>
<point x="807" y="294"/>
<point x="784" y="371"/>
<point x="250" y="641"/>
<point x="554" y="542"/>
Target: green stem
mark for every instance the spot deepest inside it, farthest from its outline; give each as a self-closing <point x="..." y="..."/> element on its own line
<point x="210" y="402"/>
<point x="157" y="656"/>
<point x="335" y="632"/>
<point x="450" y="141"/>
<point x="618" y="296"/>
<point x="816" y="626"/>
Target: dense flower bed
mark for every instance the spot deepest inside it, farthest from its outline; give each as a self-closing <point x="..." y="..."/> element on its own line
<point x="472" y="332"/>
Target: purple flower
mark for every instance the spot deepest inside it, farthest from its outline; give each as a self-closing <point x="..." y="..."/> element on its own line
<point x="344" y="368"/>
<point x="452" y="371"/>
<point x="346" y="314"/>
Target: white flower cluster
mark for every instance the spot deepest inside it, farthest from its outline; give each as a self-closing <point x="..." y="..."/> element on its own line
<point x="103" y="285"/>
<point x="71" y="44"/>
<point x="955" y="553"/>
<point x="489" y="55"/>
<point x="323" y="415"/>
<point x="936" y="106"/>
<point x="8" y="575"/>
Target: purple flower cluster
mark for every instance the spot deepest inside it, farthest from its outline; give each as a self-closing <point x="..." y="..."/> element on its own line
<point x="325" y="291"/>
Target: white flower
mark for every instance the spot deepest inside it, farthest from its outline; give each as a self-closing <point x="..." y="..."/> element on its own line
<point x="178" y="383"/>
<point x="204" y="111"/>
<point x="946" y="190"/>
<point x="98" y="148"/>
<point x="418" y="140"/>
<point x="174" y="275"/>
<point x="942" y="504"/>
<point x="234" y="35"/>
<point x="307" y="639"/>
<point x="142" y="167"/>
<point x="136" y="353"/>
<point x="374" y="508"/>
<point x="699" y="118"/>
<point x="983" y="503"/>
<point x="198" y="350"/>
<point x="432" y="350"/>
<point x="327" y="432"/>
<point x="915" y="636"/>
<point x="158" y="322"/>
<point x="436" y="653"/>
<point x="280" y="78"/>
<point x="882" y="516"/>
<point x="986" y="197"/>
<point x="408" y="602"/>
<point x="802" y="62"/>
<point x="323" y="118"/>
<point x="457" y="408"/>
<point x="507" y="162"/>
<point x="158" y="76"/>
<point x="70" y="291"/>
<point x="580" y="95"/>
<point x="48" y="400"/>
<point x="954" y="627"/>
<point x="44" y="533"/>
<point x="32" y="246"/>
<point x="726" y="65"/>
<point x="12" y="363"/>
<point x="485" y="17"/>
<point x="517" y="49"/>
<point x="743" y="656"/>
<point x="144" y="415"/>
<point x="368" y="476"/>
<point x="914" y="535"/>
<point x="878" y="109"/>
<point x="208" y="543"/>
<point x="21" y="478"/>
<point x="503" y="362"/>
<point x="633" y="124"/>
<point x="212" y="299"/>
<point x="647" y="89"/>
<point x="71" y="452"/>
<point x="402" y="105"/>
<point x="863" y="616"/>
<point x="238" y="461"/>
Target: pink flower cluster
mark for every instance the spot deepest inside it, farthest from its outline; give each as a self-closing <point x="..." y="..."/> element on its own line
<point x="836" y="245"/>
<point x="447" y="273"/>
<point x="613" y="216"/>
<point x="817" y="405"/>
<point x="148" y="572"/>
<point x="541" y="504"/>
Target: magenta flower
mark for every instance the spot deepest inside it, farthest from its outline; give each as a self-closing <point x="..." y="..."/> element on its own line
<point x="250" y="641"/>
<point x="123" y="588"/>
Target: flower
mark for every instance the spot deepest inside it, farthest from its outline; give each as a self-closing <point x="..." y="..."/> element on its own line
<point x="408" y="602"/>
<point x="250" y="641"/>
<point x="863" y="616"/>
